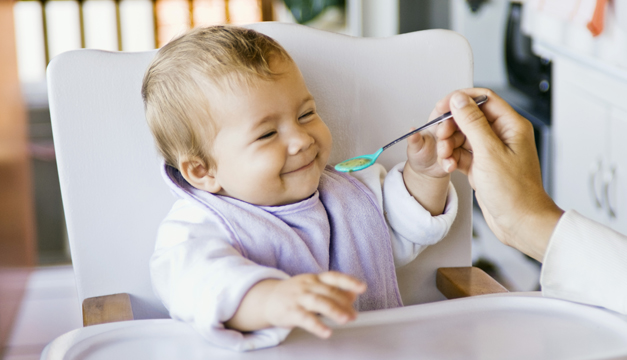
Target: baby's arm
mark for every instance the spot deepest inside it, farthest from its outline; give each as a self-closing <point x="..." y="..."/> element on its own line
<point x="296" y="301"/>
<point x="427" y="171"/>
<point x="412" y="227"/>
<point x="423" y="174"/>
<point x="203" y="280"/>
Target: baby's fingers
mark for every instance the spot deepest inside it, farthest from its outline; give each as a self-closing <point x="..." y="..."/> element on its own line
<point x="415" y="141"/>
<point x="343" y="281"/>
<point x="446" y="146"/>
<point x="339" y="312"/>
<point x="312" y="323"/>
<point x="335" y="293"/>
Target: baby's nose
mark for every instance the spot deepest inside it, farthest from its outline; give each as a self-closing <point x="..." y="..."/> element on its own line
<point x="299" y="140"/>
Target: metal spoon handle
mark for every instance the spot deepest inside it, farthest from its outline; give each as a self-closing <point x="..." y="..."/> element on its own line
<point x="479" y="100"/>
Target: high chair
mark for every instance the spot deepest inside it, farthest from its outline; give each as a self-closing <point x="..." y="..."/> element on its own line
<point x="367" y="90"/>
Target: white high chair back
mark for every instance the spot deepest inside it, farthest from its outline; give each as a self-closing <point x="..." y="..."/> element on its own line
<point x="369" y="91"/>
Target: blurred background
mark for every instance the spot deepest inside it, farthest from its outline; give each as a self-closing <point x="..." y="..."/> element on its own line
<point x="37" y="297"/>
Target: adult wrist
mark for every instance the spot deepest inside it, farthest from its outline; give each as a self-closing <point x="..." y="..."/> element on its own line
<point x="534" y="234"/>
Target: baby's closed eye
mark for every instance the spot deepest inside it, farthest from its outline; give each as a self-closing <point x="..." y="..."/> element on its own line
<point x="305" y="116"/>
<point x="267" y="135"/>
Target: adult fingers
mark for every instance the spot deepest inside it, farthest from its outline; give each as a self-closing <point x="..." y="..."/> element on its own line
<point x="473" y="122"/>
<point x="493" y="109"/>
<point x="446" y="146"/>
<point x="446" y="129"/>
<point x="342" y="281"/>
<point x="449" y="129"/>
<point x="460" y="160"/>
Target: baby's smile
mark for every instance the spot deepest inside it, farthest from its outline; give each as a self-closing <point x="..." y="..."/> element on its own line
<point x="307" y="166"/>
<point x="273" y="128"/>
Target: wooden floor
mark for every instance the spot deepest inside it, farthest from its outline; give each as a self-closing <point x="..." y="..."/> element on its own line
<point x="49" y="309"/>
<point x="12" y="285"/>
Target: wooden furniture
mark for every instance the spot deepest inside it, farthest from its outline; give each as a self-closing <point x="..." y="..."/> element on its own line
<point x="367" y="91"/>
<point x="466" y="281"/>
<point x="106" y="309"/>
<point x="17" y="228"/>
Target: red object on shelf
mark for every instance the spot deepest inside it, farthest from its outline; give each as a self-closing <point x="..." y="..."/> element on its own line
<point x="598" y="18"/>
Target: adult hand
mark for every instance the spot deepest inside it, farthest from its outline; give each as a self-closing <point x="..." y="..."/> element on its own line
<point x="494" y="146"/>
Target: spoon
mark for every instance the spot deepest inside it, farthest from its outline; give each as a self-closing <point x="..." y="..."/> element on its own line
<point x="364" y="161"/>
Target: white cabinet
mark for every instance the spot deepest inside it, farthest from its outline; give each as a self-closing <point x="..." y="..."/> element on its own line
<point x="617" y="176"/>
<point x="590" y="141"/>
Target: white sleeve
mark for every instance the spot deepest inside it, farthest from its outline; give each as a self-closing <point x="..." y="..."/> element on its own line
<point x="201" y="279"/>
<point x="412" y="228"/>
<point x="586" y="262"/>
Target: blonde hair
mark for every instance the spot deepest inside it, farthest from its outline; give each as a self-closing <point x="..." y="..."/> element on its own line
<point x="175" y="85"/>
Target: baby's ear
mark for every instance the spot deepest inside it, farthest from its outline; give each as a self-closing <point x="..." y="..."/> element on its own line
<point x="199" y="175"/>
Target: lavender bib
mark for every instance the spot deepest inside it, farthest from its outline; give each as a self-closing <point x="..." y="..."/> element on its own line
<point x="339" y="228"/>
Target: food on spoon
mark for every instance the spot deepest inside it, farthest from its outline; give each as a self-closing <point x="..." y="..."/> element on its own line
<point x="353" y="163"/>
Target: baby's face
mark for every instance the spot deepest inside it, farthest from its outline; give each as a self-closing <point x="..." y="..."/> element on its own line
<point x="272" y="146"/>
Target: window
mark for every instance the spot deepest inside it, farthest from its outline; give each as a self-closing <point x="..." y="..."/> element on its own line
<point x="45" y="29"/>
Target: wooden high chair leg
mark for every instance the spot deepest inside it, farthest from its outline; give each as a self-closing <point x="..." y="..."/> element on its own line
<point x="106" y="309"/>
<point x="457" y="282"/>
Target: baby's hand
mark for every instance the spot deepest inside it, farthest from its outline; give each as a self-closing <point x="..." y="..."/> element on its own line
<point x="429" y="163"/>
<point x="430" y="152"/>
<point x="451" y="141"/>
<point x="298" y="300"/>
<point x="422" y="154"/>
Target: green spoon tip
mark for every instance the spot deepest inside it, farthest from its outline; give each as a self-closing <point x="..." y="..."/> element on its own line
<point x="354" y="164"/>
<point x="359" y="162"/>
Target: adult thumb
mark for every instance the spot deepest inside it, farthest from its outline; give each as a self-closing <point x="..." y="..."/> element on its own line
<point x="472" y="122"/>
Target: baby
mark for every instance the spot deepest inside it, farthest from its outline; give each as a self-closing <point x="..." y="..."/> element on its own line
<point x="265" y="236"/>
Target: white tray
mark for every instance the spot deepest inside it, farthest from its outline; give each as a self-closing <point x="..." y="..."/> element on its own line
<point x="487" y="327"/>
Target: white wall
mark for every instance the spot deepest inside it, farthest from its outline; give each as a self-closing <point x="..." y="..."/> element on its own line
<point x="379" y="17"/>
<point x="485" y="30"/>
<point x="367" y="18"/>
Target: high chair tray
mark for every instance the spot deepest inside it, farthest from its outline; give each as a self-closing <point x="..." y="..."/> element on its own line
<point x="483" y="327"/>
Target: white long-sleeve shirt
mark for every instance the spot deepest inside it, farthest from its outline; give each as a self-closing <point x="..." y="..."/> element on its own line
<point x="586" y="262"/>
<point x="201" y="278"/>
